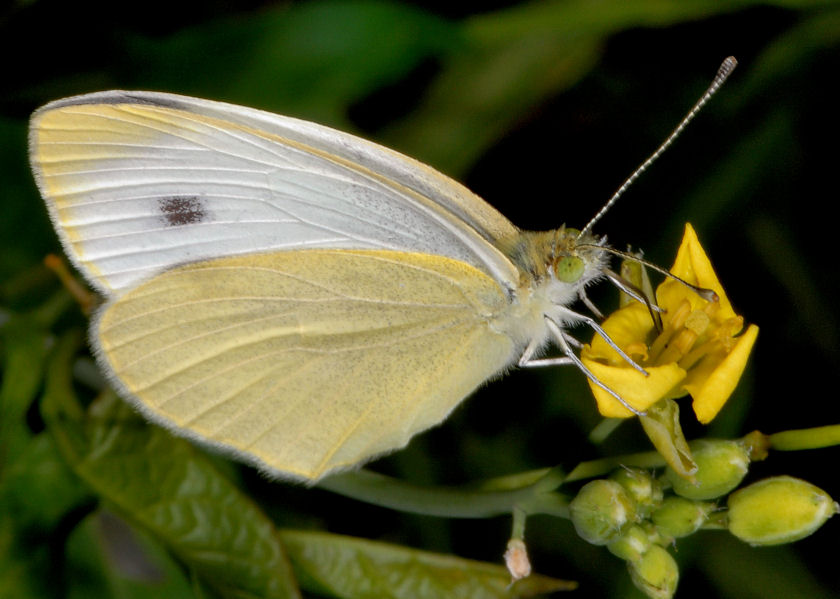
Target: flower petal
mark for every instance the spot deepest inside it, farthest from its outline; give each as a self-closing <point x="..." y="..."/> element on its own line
<point x="693" y="265"/>
<point x="638" y="390"/>
<point x="626" y="327"/>
<point x="710" y="393"/>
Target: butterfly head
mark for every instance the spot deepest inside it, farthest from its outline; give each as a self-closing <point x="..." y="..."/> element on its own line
<point x="558" y="264"/>
<point x="575" y="259"/>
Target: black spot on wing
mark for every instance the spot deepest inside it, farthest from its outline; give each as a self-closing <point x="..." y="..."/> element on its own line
<point x="182" y="210"/>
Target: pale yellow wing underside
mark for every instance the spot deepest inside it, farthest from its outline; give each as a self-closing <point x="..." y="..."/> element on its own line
<point x="308" y="361"/>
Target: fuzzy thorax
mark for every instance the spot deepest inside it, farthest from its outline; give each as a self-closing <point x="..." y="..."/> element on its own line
<point x="553" y="270"/>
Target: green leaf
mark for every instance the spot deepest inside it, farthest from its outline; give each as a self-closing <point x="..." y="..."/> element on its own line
<point x="24" y="343"/>
<point x="351" y="568"/>
<point x="36" y="493"/>
<point x="107" y="558"/>
<point x="39" y="489"/>
<point x="22" y="574"/>
<point x="581" y="18"/>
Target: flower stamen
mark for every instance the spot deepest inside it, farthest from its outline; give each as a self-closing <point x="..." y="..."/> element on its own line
<point x="698" y="353"/>
<point x="638" y="351"/>
<point x="670" y="328"/>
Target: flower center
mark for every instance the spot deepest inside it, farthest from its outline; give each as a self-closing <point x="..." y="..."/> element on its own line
<point x="689" y="335"/>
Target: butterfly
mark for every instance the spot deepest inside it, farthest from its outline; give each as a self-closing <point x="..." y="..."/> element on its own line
<point x="293" y="295"/>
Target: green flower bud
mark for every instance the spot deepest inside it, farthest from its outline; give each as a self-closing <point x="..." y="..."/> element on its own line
<point x="632" y="544"/>
<point x="601" y="511"/>
<point x="645" y="490"/>
<point x="778" y="510"/>
<point x="655" y="535"/>
<point x="656" y="574"/>
<point x="679" y="517"/>
<point x="721" y="466"/>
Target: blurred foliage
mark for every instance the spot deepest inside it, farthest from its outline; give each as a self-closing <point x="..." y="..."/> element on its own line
<point x="542" y="108"/>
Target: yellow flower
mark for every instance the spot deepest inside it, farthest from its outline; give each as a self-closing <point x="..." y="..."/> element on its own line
<point x="696" y="353"/>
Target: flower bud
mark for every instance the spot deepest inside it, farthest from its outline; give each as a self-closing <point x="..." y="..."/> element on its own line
<point x="656" y="574"/>
<point x="679" y="517"/>
<point x="721" y="466"/>
<point x="643" y="488"/>
<point x="632" y="544"/>
<point x="601" y="511"/>
<point x="778" y="510"/>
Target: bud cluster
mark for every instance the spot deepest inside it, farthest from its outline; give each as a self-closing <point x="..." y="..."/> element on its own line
<point x="637" y="515"/>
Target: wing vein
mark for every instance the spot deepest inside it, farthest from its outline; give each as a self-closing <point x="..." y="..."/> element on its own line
<point x="379" y="345"/>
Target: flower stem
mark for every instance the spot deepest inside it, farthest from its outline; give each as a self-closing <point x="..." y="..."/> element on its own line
<point x="806" y="438"/>
<point x="451" y="502"/>
<point x="526" y="493"/>
<point x="531" y="492"/>
<point x="593" y="468"/>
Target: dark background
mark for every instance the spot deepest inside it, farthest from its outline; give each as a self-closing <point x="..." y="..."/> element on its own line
<point x="543" y="110"/>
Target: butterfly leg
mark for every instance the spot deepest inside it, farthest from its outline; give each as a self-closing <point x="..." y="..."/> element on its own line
<point x="631" y="290"/>
<point x="572" y="357"/>
<point x="637" y="294"/>
<point x="565" y="342"/>
<point x="527" y="359"/>
<point x="572" y="315"/>
<point x="588" y="303"/>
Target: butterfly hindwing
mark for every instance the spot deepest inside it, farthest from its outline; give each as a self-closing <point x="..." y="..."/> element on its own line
<point x="307" y="361"/>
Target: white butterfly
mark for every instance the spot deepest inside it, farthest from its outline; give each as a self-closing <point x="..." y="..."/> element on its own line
<point x="295" y="295"/>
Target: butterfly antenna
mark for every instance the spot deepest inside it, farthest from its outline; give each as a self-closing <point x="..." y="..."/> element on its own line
<point x="726" y="68"/>
<point x="707" y="294"/>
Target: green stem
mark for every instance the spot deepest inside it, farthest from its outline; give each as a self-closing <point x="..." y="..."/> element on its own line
<point x="519" y="518"/>
<point x="716" y="521"/>
<point x="526" y="493"/>
<point x="604" y="429"/>
<point x="51" y="310"/>
<point x="533" y="495"/>
<point x="451" y="502"/>
<point x="806" y="438"/>
<point x="594" y="468"/>
<point x="58" y="399"/>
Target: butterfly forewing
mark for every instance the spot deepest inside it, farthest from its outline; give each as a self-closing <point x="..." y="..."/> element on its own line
<point x="140" y="182"/>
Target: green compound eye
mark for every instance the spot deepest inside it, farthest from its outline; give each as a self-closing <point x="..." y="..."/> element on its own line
<point x="569" y="269"/>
